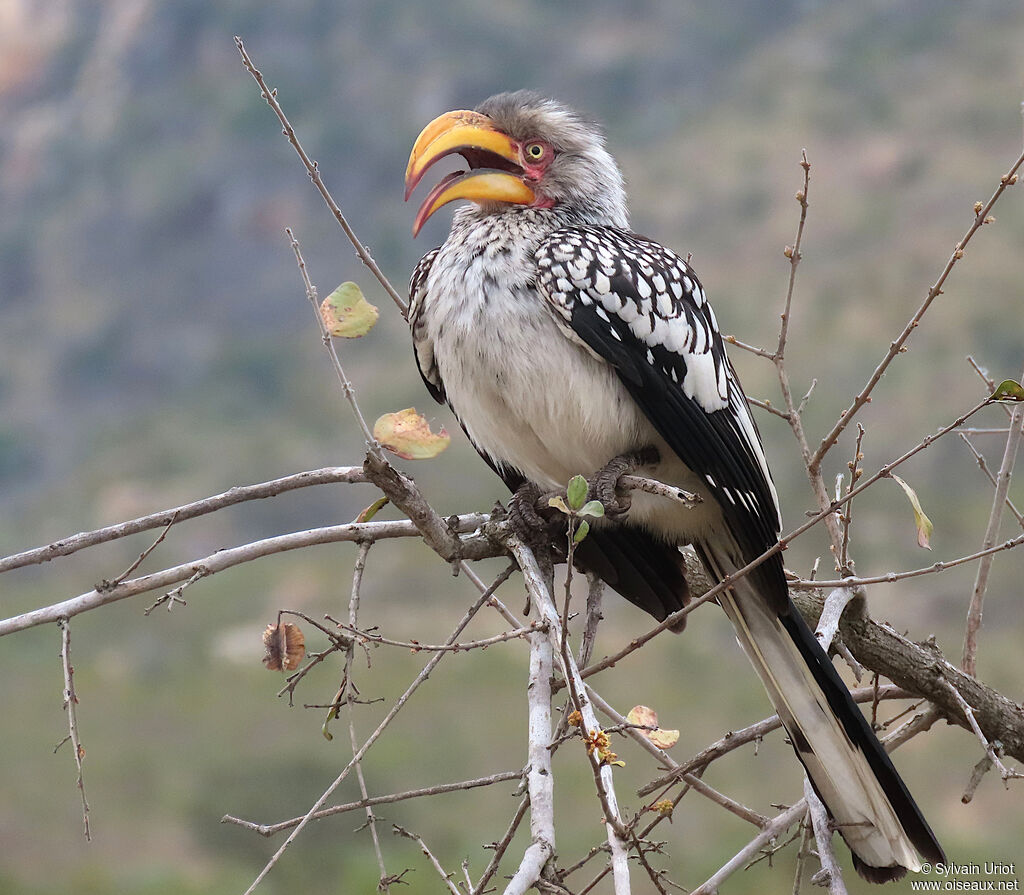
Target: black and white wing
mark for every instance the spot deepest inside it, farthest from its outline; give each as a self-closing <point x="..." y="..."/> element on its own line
<point x="640" y="307"/>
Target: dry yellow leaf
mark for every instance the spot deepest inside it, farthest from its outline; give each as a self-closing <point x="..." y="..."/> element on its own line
<point x="346" y="312"/>
<point x="408" y="435"/>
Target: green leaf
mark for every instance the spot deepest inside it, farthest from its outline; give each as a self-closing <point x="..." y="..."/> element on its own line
<point x="372" y="510"/>
<point x="923" y="523"/>
<point x="559" y="505"/>
<point x="327" y="734"/>
<point x="592" y="508"/>
<point x="582" y="530"/>
<point x="577" y="491"/>
<point x="1008" y="390"/>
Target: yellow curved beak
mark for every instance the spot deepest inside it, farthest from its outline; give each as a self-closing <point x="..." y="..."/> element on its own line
<point x="475" y="137"/>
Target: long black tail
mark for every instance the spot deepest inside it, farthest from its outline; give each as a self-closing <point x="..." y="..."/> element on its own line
<point x="847" y="766"/>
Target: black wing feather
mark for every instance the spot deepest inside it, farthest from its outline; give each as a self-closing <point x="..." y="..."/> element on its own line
<point x="640" y="307"/>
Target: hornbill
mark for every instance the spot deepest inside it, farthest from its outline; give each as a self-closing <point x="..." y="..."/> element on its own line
<point x="561" y="339"/>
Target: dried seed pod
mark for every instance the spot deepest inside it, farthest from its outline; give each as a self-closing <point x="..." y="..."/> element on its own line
<point x="286" y="646"/>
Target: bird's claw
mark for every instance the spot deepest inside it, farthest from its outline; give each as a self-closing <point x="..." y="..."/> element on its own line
<point x="527" y="523"/>
<point x="604" y="483"/>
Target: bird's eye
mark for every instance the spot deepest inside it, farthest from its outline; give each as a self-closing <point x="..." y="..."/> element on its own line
<point x="536" y="151"/>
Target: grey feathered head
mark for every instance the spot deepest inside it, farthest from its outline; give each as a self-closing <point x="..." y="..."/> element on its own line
<point x="522" y="149"/>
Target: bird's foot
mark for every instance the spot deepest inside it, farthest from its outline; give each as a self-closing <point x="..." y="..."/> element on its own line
<point x="604" y="483"/>
<point x="527" y="523"/>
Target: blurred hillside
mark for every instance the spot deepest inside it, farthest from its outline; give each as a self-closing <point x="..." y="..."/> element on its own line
<point x="156" y="346"/>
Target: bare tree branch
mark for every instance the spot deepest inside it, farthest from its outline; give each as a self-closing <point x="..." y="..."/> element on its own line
<point x="372" y="801"/>
<point x="540" y="778"/>
<point x="239" y="494"/>
<point x="542" y="599"/>
<point x="225" y="559"/>
<point x="830" y="874"/>
<point x="919" y="669"/>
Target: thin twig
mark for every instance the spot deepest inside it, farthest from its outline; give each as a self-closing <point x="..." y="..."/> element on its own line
<point x="767" y="405"/>
<point x="349" y="693"/>
<point x="346" y="384"/>
<point x="990" y="749"/>
<point x="465" y="646"/>
<point x="313" y="169"/>
<point x="595" y="595"/>
<point x="415" y="837"/>
<point x="983" y="466"/>
<point x="844" y="563"/>
<point x="268" y="830"/>
<point x="653" y="486"/>
<point x="793" y="253"/>
<point x="106" y="585"/>
<point x="753" y="349"/>
<point x="981" y="217"/>
<point x="983" y="766"/>
<point x="70" y="706"/>
<point x="501" y="846"/>
<point x="918" y="724"/>
<point x="890" y="577"/>
<point x="776" y="828"/>
<point x="392" y="712"/>
<point x="239" y="494"/>
<point x="975" y="610"/>
<point x="174" y="596"/>
<point x="802" y="854"/>
<point x="988" y="380"/>
<point x="794" y="411"/>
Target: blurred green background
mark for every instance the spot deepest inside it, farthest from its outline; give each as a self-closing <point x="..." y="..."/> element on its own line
<point x="156" y="346"/>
